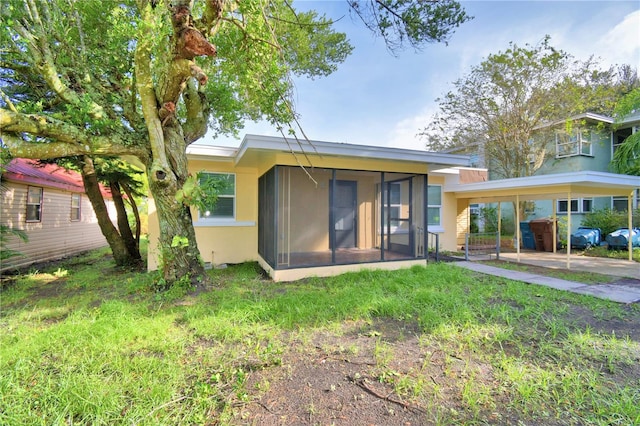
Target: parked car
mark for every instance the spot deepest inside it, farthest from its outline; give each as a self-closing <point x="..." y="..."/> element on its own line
<point x="619" y="239"/>
<point x="586" y="237"/>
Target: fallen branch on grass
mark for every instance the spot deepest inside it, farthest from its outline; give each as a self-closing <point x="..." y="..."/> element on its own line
<point x="361" y="383"/>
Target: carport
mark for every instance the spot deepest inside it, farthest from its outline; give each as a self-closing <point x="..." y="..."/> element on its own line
<point x="567" y="186"/>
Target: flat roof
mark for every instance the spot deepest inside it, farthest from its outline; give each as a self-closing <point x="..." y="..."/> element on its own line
<point x="554" y="186"/>
<point x="253" y="145"/>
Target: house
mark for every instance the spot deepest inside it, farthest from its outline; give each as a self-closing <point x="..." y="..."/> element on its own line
<point x="583" y="143"/>
<point x="573" y="179"/>
<point x="587" y="144"/>
<point x="48" y="203"/>
<point x="323" y="208"/>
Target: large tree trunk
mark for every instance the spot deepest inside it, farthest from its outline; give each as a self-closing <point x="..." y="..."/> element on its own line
<point x="92" y="189"/>
<point x="123" y="223"/>
<point x="179" y="254"/>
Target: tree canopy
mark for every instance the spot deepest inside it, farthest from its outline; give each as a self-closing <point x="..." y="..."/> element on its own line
<point x="496" y="108"/>
<point x="143" y="79"/>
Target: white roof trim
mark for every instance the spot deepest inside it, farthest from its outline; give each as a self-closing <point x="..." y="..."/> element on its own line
<point x="583" y="184"/>
<point x="584" y="177"/>
<point x="208" y="151"/>
<point x="272" y="143"/>
<point x="586" y="115"/>
<point x="278" y="144"/>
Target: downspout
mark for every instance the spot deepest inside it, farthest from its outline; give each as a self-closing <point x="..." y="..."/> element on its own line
<point x="425" y="220"/>
<point x="517" y="227"/>
<point x="629" y="224"/>
<point x="568" y="230"/>
<point x="382" y="198"/>
<point x="332" y="217"/>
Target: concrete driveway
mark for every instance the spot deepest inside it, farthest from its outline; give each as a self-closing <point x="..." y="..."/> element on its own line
<point x="600" y="265"/>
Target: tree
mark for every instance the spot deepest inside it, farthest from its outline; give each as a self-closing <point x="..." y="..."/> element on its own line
<point x="146" y="78"/>
<point x="407" y="22"/>
<point x="499" y="106"/>
<point x="626" y="159"/>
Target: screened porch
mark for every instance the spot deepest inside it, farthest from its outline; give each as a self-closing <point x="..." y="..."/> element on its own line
<point x="324" y="217"/>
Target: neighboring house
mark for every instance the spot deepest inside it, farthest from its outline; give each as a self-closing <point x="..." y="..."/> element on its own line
<point x="584" y="143"/>
<point x="587" y="144"/>
<point x="48" y="203"/>
<point x="327" y="208"/>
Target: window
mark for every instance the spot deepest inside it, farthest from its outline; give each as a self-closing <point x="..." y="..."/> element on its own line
<point x="621" y="135"/>
<point x="578" y="205"/>
<point x="576" y="143"/>
<point x="34" y="204"/>
<point x="75" y="207"/>
<point x="434" y="206"/>
<point x="619" y="204"/>
<point x="225" y="205"/>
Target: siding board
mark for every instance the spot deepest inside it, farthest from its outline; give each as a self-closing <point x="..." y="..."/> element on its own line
<point x="56" y="235"/>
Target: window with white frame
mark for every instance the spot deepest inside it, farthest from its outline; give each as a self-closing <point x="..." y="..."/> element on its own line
<point x="434" y="205"/>
<point x="34" y="204"/>
<point x="75" y="207"/>
<point x="224" y="206"/>
<point x="578" y="142"/>
<point x="578" y="205"/>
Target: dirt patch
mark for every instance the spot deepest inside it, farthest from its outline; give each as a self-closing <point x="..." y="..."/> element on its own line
<point x="340" y="380"/>
<point x="353" y="379"/>
<point x="389" y="372"/>
<point x="627" y="328"/>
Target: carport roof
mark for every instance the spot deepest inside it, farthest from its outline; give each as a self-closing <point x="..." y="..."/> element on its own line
<point x="545" y="187"/>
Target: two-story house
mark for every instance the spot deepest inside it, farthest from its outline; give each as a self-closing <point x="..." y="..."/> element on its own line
<point x="586" y="142"/>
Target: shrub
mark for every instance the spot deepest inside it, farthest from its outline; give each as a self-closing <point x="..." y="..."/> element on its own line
<point x="609" y="220"/>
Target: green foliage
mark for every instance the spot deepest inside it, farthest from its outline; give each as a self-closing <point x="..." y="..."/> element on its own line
<point x="410" y="22"/>
<point x="489" y="216"/>
<point x="626" y="158"/>
<point x="6" y="232"/>
<point x="112" y="79"/>
<point x="201" y="191"/>
<point x="608" y="220"/>
<point x="179" y="241"/>
<point x="497" y="107"/>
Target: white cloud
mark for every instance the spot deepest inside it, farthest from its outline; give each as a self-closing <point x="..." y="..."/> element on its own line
<point x="621" y="44"/>
<point x="404" y="133"/>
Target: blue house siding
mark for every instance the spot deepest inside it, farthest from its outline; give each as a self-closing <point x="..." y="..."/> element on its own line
<point x="602" y="138"/>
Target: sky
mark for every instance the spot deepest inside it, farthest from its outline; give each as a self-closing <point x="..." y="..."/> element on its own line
<point x="376" y="98"/>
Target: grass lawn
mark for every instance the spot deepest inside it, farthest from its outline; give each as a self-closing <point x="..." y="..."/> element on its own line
<point x="83" y="342"/>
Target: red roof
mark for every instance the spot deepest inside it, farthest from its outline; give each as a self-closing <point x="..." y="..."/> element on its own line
<point x="32" y="172"/>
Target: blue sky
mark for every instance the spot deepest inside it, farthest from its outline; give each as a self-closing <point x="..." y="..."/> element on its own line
<point x="377" y="99"/>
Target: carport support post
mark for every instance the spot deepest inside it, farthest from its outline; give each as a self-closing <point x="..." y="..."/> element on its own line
<point x="568" y="230"/>
<point x="630" y="224"/>
<point x="518" y="227"/>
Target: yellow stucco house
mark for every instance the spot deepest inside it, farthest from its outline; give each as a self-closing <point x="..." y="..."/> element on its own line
<point x="313" y="208"/>
<point x="322" y="208"/>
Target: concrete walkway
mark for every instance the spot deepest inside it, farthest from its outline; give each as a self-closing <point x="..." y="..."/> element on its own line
<point x="622" y="293"/>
